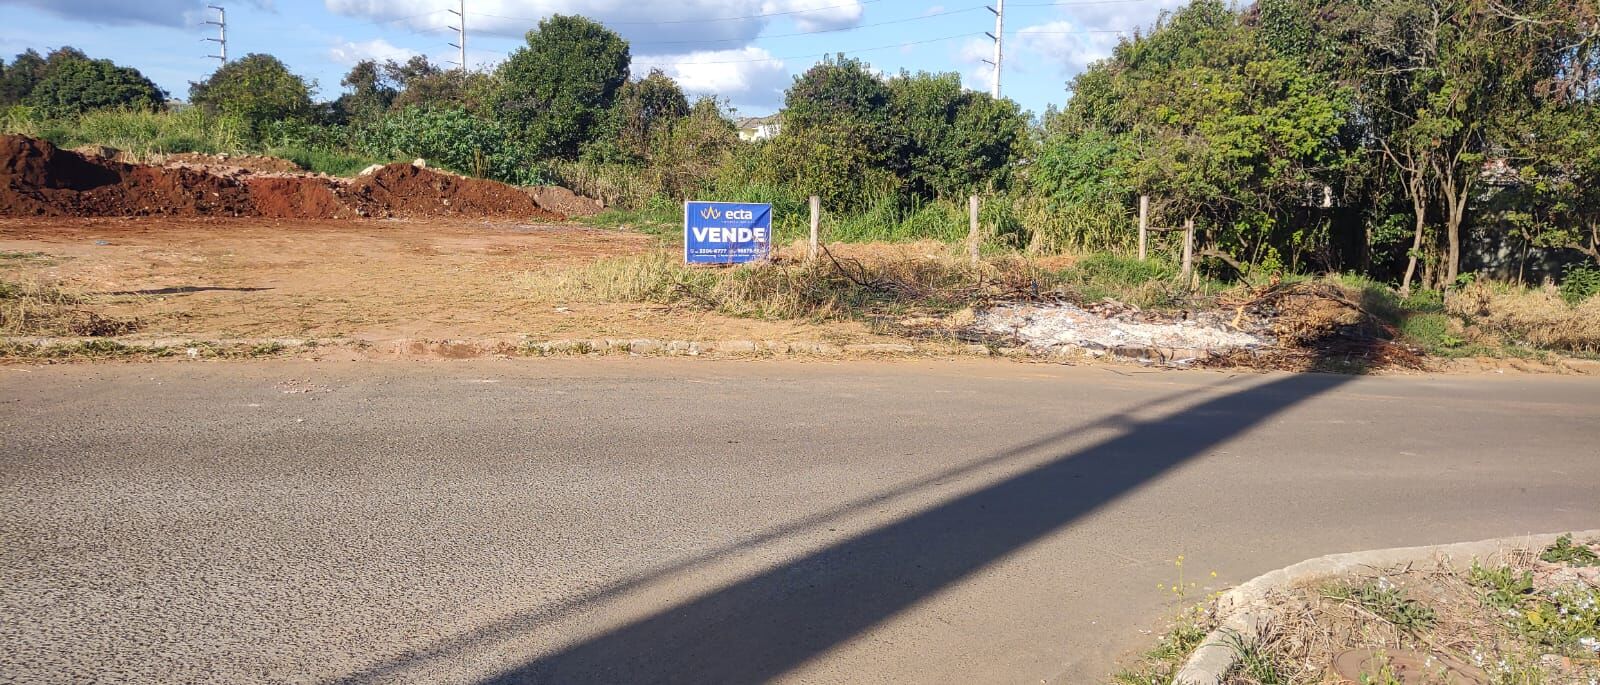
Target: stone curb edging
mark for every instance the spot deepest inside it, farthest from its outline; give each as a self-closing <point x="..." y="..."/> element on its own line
<point x="463" y="348"/>
<point x="1247" y="613"/>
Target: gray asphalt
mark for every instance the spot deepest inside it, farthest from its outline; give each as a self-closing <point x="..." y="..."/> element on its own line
<point x="704" y="522"/>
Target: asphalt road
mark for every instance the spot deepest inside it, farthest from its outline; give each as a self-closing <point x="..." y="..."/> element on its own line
<point x="714" y="522"/>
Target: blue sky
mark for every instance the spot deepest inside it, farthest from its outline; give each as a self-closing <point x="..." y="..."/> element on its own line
<point x="746" y="51"/>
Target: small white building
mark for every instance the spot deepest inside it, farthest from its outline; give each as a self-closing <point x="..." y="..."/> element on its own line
<point x="760" y="128"/>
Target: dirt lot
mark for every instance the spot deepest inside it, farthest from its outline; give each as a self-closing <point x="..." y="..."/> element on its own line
<point x="378" y="280"/>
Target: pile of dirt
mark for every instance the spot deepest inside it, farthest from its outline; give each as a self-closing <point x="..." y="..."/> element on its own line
<point x="405" y="190"/>
<point x="282" y="197"/>
<point x="562" y="201"/>
<point x="38" y="179"/>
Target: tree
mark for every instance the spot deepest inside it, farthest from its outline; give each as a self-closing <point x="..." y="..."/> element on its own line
<point x="644" y="107"/>
<point x="74" y="86"/>
<point x="369" y="92"/>
<point x="24" y="73"/>
<point x="1215" y="126"/>
<point x="948" y="142"/>
<point x="555" y="91"/>
<point x="257" y="89"/>
<point x="841" y="94"/>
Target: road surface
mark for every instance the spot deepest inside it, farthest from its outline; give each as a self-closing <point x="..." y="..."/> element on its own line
<point x="628" y="521"/>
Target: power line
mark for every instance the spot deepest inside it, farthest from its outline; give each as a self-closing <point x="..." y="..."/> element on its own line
<point x="702" y="21"/>
<point x="1076" y="3"/>
<point x="842" y="29"/>
<point x="819" y="54"/>
<point x="222" y="34"/>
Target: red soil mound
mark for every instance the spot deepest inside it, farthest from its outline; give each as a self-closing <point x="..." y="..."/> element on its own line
<point x="37" y="179"/>
<point x="405" y="190"/>
<point x="296" y="198"/>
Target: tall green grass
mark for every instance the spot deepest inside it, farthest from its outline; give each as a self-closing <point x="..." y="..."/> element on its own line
<point x="139" y="133"/>
<point x="326" y="161"/>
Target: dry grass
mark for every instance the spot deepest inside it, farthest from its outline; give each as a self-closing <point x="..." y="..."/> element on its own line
<point x="920" y="278"/>
<point x="34" y="307"/>
<point x="1432" y="610"/>
<point x="1536" y="317"/>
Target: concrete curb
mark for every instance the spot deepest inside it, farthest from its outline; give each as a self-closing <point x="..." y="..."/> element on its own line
<point x="1245" y="613"/>
<point x="468" y="348"/>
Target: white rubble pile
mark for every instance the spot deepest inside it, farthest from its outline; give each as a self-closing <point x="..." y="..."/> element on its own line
<point x="1050" y="327"/>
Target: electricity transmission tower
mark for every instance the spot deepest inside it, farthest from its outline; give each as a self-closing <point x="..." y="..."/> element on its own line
<point x="999" y="11"/>
<point x="461" y="34"/>
<point x="222" y="34"/>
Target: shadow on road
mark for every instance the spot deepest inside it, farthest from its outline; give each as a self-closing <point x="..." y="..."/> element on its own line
<point x="760" y="627"/>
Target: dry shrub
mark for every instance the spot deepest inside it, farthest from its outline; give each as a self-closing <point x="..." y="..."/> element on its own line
<point x="1532" y="316"/>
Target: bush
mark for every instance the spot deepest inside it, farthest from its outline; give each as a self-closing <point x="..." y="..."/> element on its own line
<point x="1580" y="282"/>
<point x="450" y="138"/>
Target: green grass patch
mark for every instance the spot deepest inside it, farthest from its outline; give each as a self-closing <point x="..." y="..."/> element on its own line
<point x="1564" y="552"/>
<point x="1388" y="602"/>
<point x="325" y="161"/>
<point x="1162" y="662"/>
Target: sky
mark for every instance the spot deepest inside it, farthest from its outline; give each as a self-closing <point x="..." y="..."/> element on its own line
<point x="743" y="51"/>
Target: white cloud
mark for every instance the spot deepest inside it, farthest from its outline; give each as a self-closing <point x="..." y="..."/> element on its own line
<point x="1060" y="45"/>
<point x="749" y="77"/>
<point x="350" y="52"/>
<point x="652" y="27"/>
<point x="976" y="74"/>
<point x="817" y="15"/>
<point x="113" y="12"/>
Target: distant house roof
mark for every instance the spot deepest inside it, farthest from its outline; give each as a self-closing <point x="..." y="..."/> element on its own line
<point x="752" y="122"/>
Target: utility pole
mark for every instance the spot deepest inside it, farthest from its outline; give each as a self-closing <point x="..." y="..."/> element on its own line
<point x="461" y="34"/>
<point x="222" y="33"/>
<point x="999" y="11"/>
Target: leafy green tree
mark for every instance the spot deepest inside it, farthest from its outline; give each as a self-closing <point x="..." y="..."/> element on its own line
<point x="555" y="91"/>
<point x="1200" y="115"/>
<point x="424" y="84"/>
<point x="79" y="85"/>
<point x="25" y="72"/>
<point x="257" y="89"/>
<point x="688" y="151"/>
<point x="841" y="94"/>
<point x="369" y="92"/>
<point x="948" y="142"/>
<point x="644" y="108"/>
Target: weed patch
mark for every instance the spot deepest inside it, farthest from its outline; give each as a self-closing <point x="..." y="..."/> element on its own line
<point x="1387" y="601"/>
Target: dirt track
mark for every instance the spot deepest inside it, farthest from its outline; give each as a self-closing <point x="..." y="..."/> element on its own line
<point x="376" y="280"/>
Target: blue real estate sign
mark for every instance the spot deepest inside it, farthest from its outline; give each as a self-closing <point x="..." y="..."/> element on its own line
<point x="726" y="232"/>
